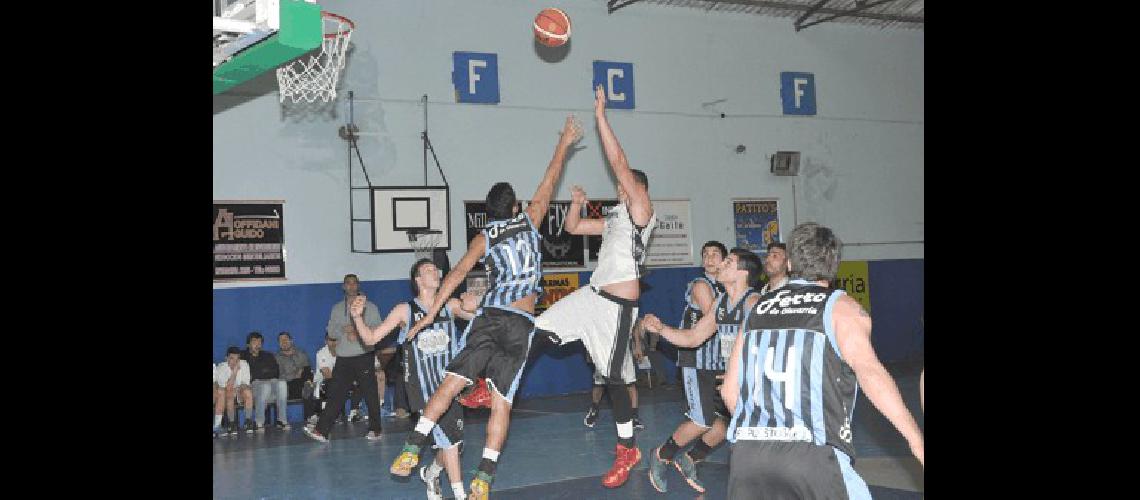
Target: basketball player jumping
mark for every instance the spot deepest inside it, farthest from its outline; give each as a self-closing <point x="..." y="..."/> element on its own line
<point x="424" y="362"/>
<point x="601" y="315"/>
<point x="792" y="378"/>
<point x="713" y="335"/>
<point x="499" y="337"/>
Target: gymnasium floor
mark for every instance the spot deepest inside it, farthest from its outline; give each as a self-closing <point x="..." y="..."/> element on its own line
<point x="548" y="454"/>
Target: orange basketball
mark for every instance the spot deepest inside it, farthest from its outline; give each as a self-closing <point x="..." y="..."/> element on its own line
<point x="552" y="27"/>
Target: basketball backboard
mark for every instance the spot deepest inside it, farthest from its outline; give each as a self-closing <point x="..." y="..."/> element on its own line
<point x="254" y="36"/>
<point x="398" y="210"/>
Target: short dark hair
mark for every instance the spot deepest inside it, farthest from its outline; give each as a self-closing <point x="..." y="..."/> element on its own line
<point x="253" y="335"/>
<point x="814" y="252"/>
<point x="748" y="261"/>
<point x="777" y="244"/>
<point x="285" y="334"/>
<point x="717" y="245"/>
<point x="233" y="350"/>
<point x="641" y="178"/>
<point x="500" y="201"/>
<point x="350" y="275"/>
<point x="416" y="272"/>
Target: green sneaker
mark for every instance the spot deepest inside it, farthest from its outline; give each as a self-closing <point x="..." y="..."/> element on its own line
<point x="688" y="469"/>
<point x="657" y="472"/>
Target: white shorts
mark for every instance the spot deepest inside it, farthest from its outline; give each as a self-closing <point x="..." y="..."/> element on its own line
<point x="602" y="322"/>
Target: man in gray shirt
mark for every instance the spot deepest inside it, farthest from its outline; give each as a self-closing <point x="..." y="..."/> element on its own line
<point x="354" y="363"/>
<point x="292" y="361"/>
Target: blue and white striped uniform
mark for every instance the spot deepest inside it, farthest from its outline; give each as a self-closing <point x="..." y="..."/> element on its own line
<point x="513" y="260"/>
<point x="707" y="355"/>
<point x="729" y="316"/>
<point x="427" y="355"/>
<point x="794" y="384"/>
<point x="791" y="429"/>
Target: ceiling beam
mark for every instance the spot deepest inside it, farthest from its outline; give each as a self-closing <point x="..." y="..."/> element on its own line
<point x="617" y="4"/>
<point x="824" y="10"/>
<point x="810" y="11"/>
<point x="851" y="13"/>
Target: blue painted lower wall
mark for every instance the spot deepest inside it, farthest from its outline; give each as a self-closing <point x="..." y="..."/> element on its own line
<point x="896" y="288"/>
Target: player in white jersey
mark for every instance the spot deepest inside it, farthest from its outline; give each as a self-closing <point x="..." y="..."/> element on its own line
<point x="602" y="314"/>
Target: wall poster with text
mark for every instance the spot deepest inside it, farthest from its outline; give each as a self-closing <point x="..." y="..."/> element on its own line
<point x="757" y="223"/>
<point x="249" y="241"/>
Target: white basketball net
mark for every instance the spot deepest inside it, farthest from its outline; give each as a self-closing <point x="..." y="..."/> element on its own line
<point x="424" y="244"/>
<point x="314" y="77"/>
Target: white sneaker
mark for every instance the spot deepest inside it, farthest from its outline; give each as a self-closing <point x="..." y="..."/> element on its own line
<point x="372" y="436"/>
<point x="434" y="489"/>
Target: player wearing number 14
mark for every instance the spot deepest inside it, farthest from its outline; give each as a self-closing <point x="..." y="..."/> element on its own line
<point x="499" y="337"/>
<point x="793" y="375"/>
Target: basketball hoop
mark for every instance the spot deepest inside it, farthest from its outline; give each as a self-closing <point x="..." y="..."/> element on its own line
<point x="424" y="241"/>
<point x="315" y="77"/>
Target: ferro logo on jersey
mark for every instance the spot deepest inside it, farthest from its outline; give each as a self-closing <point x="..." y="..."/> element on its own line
<point x="785" y="298"/>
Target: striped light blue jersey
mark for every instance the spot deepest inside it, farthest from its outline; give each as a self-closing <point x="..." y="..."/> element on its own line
<point x="688" y="358"/>
<point x="729" y="315"/>
<point x="513" y="260"/>
<point x="794" y="385"/>
<point x="427" y="355"/>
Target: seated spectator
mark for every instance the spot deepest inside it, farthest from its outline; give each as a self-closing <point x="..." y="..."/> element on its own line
<point x="231" y="380"/>
<point x="266" y="383"/>
<point x="292" y="362"/>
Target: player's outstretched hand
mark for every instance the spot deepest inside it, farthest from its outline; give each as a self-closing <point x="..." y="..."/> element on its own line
<point x="578" y="195"/>
<point x="599" y="100"/>
<point x="571" y="131"/>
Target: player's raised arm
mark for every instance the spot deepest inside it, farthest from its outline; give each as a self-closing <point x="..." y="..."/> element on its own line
<point x="575" y="224"/>
<point x="571" y="133"/>
<point x="640" y="208"/>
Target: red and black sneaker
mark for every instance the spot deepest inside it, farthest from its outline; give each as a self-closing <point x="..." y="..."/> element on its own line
<point x="479" y="397"/>
<point x="625" y="460"/>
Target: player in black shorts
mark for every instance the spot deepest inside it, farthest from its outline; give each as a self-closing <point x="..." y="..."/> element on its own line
<point x="792" y="380"/>
<point x="424" y="360"/>
<point x="713" y="335"/>
<point x="499" y="337"/>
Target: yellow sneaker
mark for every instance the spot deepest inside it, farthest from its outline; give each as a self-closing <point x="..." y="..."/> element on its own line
<point x="407" y="461"/>
<point x="481" y="486"/>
